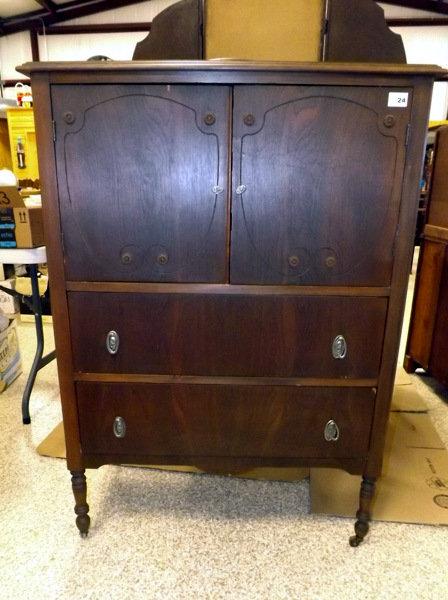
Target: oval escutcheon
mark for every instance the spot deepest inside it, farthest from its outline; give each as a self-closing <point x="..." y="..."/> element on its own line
<point x="331" y="431"/>
<point x="339" y="347"/>
<point x="119" y="427"/>
<point x="112" y="342"/>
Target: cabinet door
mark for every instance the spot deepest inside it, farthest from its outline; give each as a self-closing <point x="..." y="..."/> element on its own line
<point x="142" y="174"/>
<point x="317" y="184"/>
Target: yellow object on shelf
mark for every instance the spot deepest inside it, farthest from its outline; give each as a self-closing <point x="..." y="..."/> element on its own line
<point x="434" y="124"/>
<point x="5" y="151"/>
<point x="21" y="131"/>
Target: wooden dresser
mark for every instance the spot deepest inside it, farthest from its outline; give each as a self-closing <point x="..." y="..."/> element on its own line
<point x="229" y="245"/>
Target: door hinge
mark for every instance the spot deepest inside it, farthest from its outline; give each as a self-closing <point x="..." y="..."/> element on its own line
<point x="408" y="135"/>
<point x="54" y="130"/>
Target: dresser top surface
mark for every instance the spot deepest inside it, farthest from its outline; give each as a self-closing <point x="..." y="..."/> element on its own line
<point x="221" y="65"/>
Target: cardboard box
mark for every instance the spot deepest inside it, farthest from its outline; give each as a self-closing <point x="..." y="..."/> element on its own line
<point x="20" y="226"/>
<point x="9" y="304"/>
<point x="10" y="360"/>
<point x="29" y="227"/>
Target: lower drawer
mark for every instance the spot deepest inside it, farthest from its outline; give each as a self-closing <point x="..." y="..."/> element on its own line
<point x="228" y="421"/>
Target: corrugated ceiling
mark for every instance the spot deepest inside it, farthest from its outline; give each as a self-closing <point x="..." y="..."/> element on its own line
<point x="11" y="8"/>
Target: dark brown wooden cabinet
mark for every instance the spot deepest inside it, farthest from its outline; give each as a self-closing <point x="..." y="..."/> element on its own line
<point x="427" y="344"/>
<point x="228" y="246"/>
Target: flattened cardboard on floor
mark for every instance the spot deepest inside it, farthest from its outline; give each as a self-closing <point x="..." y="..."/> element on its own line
<point x="414" y="485"/>
<point x="402" y="378"/>
<point x="407" y="399"/>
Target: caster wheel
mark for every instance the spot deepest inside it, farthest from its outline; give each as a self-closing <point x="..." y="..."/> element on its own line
<point x="355" y="541"/>
<point x="26" y="420"/>
<point x="83" y="534"/>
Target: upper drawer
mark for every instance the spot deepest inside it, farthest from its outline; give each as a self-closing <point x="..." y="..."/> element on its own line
<point x="142" y="175"/>
<point x="228" y="335"/>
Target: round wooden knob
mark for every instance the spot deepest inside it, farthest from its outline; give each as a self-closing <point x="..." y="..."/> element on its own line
<point x="293" y="261"/>
<point x="330" y="262"/>
<point x="126" y="258"/>
<point x="69" y="117"/>
<point x="209" y="119"/>
<point x="249" y="120"/>
<point x="389" y="121"/>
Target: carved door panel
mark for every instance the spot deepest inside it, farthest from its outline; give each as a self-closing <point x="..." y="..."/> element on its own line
<point x="316" y="188"/>
<point x="142" y="173"/>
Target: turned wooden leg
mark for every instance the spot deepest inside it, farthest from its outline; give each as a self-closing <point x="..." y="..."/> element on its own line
<point x="79" y="487"/>
<point x="363" y="514"/>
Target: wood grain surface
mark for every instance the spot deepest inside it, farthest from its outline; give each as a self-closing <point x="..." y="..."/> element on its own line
<point x="438" y="362"/>
<point x="426" y="301"/>
<point x="264" y="336"/>
<point x="314" y="209"/>
<point x="224" y="421"/>
<point x="138" y="169"/>
<point x="438" y="192"/>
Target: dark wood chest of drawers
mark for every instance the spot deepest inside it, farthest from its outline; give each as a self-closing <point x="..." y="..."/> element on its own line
<point x="228" y="246"/>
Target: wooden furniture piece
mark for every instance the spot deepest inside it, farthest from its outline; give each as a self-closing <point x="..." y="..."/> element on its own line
<point x="297" y="30"/>
<point x="437" y="209"/>
<point x="21" y="125"/>
<point x="427" y="344"/>
<point x="32" y="257"/>
<point x="228" y="249"/>
<point x="425" y="185"/>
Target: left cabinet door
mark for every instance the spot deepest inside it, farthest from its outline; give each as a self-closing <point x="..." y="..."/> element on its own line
<point x="143" y="180"/>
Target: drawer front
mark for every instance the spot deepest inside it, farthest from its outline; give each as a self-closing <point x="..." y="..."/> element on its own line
<point x="214" y="420"/>
<point x="228" y="335"/>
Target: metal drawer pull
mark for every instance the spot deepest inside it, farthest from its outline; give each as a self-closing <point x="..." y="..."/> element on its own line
<point x="331" y="431"/>
<point x="339" y="347"/>
<point x="112" y="342"/>
<point x="119" y="427"/>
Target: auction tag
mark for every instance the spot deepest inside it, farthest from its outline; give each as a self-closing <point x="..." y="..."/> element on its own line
<point x="398" y="99"/>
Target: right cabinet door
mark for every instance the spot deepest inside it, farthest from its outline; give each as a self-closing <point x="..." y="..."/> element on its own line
<point x="316" y="184"/>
